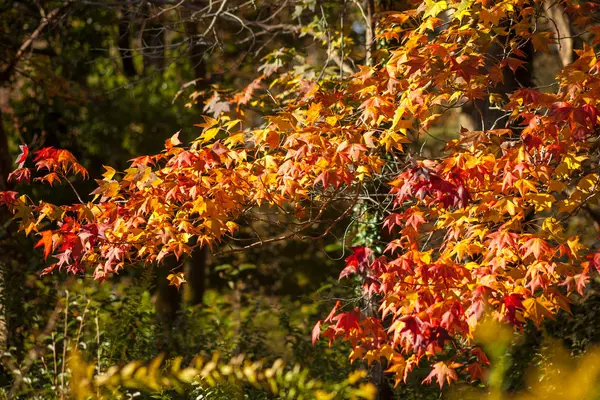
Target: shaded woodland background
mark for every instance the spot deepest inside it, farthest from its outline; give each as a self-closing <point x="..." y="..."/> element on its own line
<point x="111" y="80"/>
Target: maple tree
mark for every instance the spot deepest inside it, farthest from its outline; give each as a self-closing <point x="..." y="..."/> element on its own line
<point x="477" y="233"/>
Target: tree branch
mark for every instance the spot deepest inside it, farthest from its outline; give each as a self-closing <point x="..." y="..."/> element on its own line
<point x="27" y="43"/>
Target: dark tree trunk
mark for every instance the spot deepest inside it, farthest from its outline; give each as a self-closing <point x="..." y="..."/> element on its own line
<point x="196" y="50"/>
<point x="170" y="299"/>
<point x="5" y="262"/>
<point x="124" y="43"/>
<point x="5" y="161"/>
<point x="478" y="115"/>
<point x="168" y="302"/>
<point x="376" y="372"/>
<point x="154" y="42"/>
<point x="196" y="265"/>
<point x="196" y="269"/>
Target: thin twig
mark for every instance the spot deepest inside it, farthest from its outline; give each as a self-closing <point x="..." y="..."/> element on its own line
<point x="214" y="20"/>
<point x="65" y="345"/>
<point x="27" y="43"/>
<point x="81" y="323"/>
<point x="74" y="190"/>
<point x="98" y="351"/>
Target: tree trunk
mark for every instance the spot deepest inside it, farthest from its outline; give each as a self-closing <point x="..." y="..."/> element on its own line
<point x="196" y="265"/>
<point x="376" y="372"/>
<point x="5" y="163"/>
<point x="12" y="306"/>
<point x="370" y="33"/>
<point x="478" y="115"/>
<point x="154" y="44"/>
<point x="124" y="44"/>
<point x="196" y="52"/>
<point x="196" y="277"/>
<point x="562" y="27"/>
<point x="170" y="299"/>
<point x="168" y="302"/>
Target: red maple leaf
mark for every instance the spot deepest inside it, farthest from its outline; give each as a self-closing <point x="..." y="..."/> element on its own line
<point x="19" y="175"/>
<point x="512" y="303"/>
<point x="416" y="218"/>
<point x="393" y="220"/>
<point x="23" y="156"/>
<point x="8" y="197"/>
<point x="46" y="242"/>
<point x="316" y="332"/>
<point x="357" y="261"/>
<point x="347" y="321"/>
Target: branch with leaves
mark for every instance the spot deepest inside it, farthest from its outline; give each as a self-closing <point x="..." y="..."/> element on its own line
<point x="477" y="233"/>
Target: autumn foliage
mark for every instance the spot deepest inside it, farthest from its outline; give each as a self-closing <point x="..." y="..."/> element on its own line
<point x="478" y="233"/>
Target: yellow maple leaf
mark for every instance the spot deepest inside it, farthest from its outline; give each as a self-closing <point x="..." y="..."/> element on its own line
<point x="313" y="113"/>
<point x="536" y="310"/>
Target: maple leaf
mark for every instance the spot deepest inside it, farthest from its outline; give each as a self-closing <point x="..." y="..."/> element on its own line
<point x="374" y="107"/>
<point x="574" y="246"/>
<point x="216" y="106"/>
<point x="512" y="303"/>
<point x="372" y="356"/>
<point x="333" y="311"/>
<point x="109" y="174"/>
<point x="416" y="218"/>
<point x="594" y="258"/>
<point x="313" y="113"/>
<point x="19" y="175"/>
<point x="541" y="40"/>
<point x="22" y="157"/>
<point x="392" y="220"/>
<point x="316" y="332"/>
<point x="176" y="279"/>
<point x="46" y="158"/>
<point x="443" y="372"/>
<point x="536" y="311"/>
<point x="536" y="247"/>
<point x="476" y="371"/>
<point x="364" y="73"/>
<point x="502" y="239"/>
<point x="524" y="186"/>
<point x="79" y="169"/>
<point x="47" y="242"/>
<point x="8" y="197"/>
<point x="172" y="141"/>
<point x="307" y="88"/>
<point x="413" y="326"/>
<point x="357" y="261"/>
<point x="480" y="355"/>
<point x="245" y="95"/>
<point x="347" y="321"/>
<point x="513" y="63"/>
<point x="49" y="178"/>
<point x="579" y="281"/>
<point x="397" y="366"/>
<point x="106" y="189"/>
<point x="508" y="181"/>
<point x="491" y="17"/>
<point x="432" y="8"/>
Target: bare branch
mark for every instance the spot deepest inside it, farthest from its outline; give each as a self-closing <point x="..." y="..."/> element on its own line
<point x="5" y="74"/>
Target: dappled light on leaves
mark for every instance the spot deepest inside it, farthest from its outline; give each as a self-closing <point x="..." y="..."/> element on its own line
<point x="479" y="231"/>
